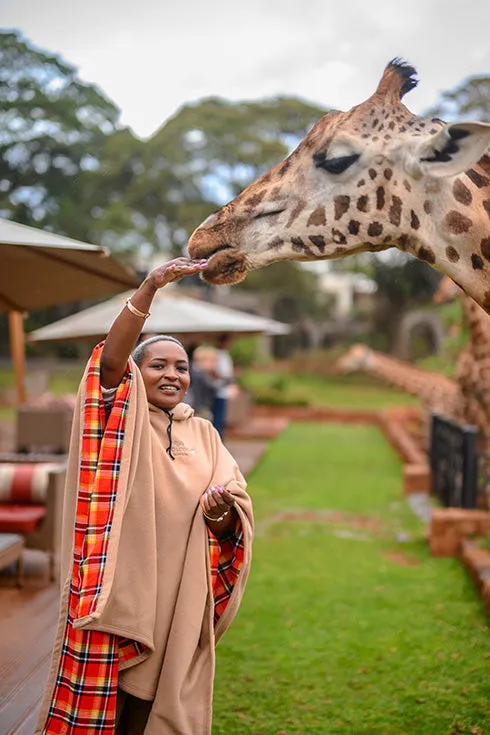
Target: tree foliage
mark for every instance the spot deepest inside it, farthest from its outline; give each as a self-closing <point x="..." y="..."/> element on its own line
<point x="52" y="128"/>
<point x="470" y="100"/>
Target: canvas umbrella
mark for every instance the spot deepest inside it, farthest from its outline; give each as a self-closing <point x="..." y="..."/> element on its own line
<point x="41" y="269"/>
<point x="171" y="313"/>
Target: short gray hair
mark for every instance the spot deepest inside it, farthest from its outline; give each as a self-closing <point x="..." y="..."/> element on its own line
<point x="140" y="350"/>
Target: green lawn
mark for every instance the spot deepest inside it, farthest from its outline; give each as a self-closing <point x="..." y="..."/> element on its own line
<point x="335" y="390"/>
<point x="344" y="629"/>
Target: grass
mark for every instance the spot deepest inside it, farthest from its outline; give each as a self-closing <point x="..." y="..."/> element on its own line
<point x="334" y="390"/>
<point x="344" y="629"/>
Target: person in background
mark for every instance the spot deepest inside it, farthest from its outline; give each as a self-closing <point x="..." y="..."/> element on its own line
<point x="226" y="380"/>
<point x="202" y="392"/>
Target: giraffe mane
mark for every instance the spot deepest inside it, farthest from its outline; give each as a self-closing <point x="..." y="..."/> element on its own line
<point x="398" y="78"/>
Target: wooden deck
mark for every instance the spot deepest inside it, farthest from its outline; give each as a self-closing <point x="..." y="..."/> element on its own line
<point x="27" y="626"/>
<point x="28" y="620"/>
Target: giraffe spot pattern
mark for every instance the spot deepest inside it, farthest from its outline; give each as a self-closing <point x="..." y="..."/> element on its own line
<point x="476" y="262"/>
<point x="478" y="179"/>
<point x="407" y="185"/>
<point x="339" y="237"/>
<point x="486" y="301"/>
<point x="388" y="173"/>
<point x="426" y="254"/>
<point x="254" y="199"/>
<point x="363" y="203"/>
<point x="484" y="163"/>
<point x="372" y="173"/>
<point x="486" y="206"/>
<point x="318" y="241"/>
<point x="276" y="192"/>
<point x="317" y="218"/>
<point x="354" y="226"/>
<point x="391" y="125"/>
<point x="296" y="212"/>
<point x="380" y="197"/>
<point x="452" y="254"/>
<point x="427" y="206"/>
<point x="361" y="182"/>
<point x="395" y="212"/>
<point x="298" y="244"/>
<point x="341" y="204"/>
<point x="402" y="242"/>
<point x="284" y="167"/>
<point x="457" y="223"/>
<point x="375" y="229"/>
<point x="414" y="220"/>
<point x="276" y="243"/>
<point x="461" y="193"/>
<point x="485" y="247"/>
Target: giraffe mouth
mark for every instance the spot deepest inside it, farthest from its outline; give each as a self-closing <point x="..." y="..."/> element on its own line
<point x="224" y="268"/>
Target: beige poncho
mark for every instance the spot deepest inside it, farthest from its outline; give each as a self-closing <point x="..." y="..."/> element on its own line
<point x="160" y="585"/>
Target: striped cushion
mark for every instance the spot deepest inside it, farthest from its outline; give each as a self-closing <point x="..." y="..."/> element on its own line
<point x="24" y="483"/>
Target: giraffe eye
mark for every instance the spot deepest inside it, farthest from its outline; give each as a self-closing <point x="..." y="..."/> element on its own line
<point x="269" y="213"/>
<point x="334" y="165"/>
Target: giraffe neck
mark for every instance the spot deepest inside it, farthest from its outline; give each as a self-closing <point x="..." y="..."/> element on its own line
<point x="479" y="328"/>
<point x="415" y="381"/>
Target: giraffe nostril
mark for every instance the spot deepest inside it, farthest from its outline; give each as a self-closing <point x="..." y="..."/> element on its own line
<point x="210" y="220"/>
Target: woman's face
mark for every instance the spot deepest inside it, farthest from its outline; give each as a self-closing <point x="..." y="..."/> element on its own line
<point x="165" y="371"/>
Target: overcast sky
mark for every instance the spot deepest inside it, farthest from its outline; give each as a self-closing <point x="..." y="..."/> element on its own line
<point x="152" y="56"/>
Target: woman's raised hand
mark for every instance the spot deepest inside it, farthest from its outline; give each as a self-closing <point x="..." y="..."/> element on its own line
<point x="174" y="270"/>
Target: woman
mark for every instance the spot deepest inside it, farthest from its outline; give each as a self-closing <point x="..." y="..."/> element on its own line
<point x="156" y="567"/>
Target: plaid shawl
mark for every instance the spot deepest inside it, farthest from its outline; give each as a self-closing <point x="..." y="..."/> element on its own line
<point x="84" y="698"/>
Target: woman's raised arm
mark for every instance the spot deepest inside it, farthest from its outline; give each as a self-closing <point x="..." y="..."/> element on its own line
<point x="127" y="326"/>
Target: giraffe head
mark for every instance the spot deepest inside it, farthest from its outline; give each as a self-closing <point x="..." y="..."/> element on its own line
<point x="355" y="359"/>
<point x="368" y="179"/>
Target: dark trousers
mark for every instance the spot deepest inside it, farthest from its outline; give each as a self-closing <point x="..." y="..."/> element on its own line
<point x="219" y="415"/>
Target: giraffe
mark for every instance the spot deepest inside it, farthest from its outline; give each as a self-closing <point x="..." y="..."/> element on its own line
<point x="472" y="373"/>
<point x="437" y="393"/>
<point x="369" y="179"/>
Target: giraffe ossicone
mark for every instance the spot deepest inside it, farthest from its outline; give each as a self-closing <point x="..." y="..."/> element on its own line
<point x="369" y="179"/>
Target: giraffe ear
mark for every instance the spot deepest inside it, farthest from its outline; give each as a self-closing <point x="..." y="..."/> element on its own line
<point x="450" y="151"/>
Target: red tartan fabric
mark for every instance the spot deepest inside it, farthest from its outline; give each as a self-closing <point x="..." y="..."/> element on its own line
<point x="84" y="699"/>
<point x="226" y="559"/>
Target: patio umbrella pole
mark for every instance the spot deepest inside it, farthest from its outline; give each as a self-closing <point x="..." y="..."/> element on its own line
<point x="17" y="350"/>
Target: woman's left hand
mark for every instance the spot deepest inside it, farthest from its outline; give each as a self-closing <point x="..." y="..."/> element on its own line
<point x="216" y="501"/>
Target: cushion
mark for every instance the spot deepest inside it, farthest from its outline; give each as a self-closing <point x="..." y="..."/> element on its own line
<point x="20" y="518"/>
<point x="24" y="483"/>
